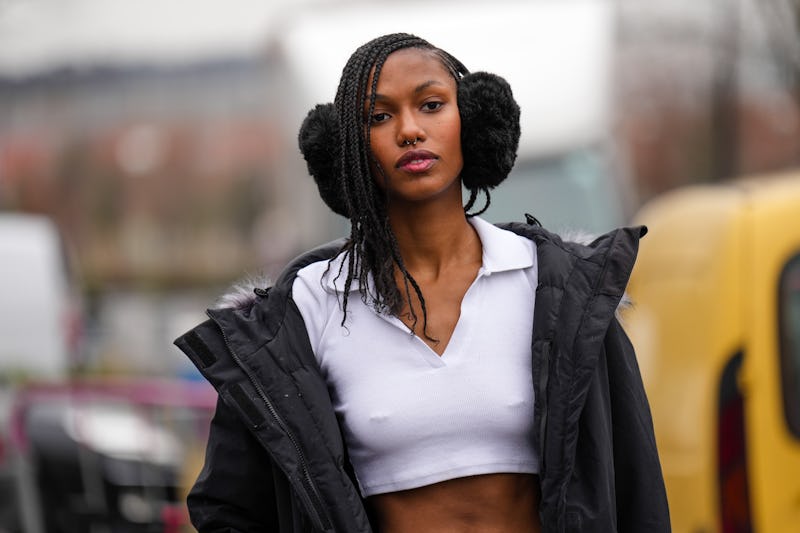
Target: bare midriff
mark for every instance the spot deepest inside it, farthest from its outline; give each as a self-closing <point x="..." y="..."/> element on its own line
<point x="491" y="503"/>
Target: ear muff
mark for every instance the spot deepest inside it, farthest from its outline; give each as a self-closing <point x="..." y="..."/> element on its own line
<point x="489" y="129"/>
<point x="319" y="143"/>
<point x="489" y="138"/>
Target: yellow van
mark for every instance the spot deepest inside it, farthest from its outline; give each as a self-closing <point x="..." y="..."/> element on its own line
<point x="716" y="325"/>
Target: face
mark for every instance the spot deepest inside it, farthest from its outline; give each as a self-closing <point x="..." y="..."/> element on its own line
<point x="416" y="98"/>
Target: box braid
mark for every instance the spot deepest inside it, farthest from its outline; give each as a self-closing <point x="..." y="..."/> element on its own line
<point x="372" y="247"/>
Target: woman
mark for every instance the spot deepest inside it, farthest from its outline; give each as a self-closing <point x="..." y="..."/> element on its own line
<point x="397" y="381"/>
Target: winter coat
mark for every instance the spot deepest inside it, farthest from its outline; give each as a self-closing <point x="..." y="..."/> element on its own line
<point x="276" y="461"/>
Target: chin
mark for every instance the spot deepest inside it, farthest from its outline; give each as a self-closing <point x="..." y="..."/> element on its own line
<point x="422" y="193"/>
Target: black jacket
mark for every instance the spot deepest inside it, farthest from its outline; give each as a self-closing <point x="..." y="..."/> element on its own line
<point x="276" y="461"/>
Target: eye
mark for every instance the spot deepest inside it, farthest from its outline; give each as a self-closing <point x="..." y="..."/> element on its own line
<point x="380" y="117"/>
<point x="432" y="106"/>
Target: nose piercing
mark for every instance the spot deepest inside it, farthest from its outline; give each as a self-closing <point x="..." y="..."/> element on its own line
<point x="406" y="142"/>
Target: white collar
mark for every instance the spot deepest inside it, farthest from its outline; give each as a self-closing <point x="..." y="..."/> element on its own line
<point x="502" y="251"/>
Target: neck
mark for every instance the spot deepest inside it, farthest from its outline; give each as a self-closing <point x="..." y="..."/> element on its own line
<point x="433" y="237"/>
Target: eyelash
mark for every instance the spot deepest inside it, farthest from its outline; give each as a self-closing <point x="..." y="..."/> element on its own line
<point x="426" y="107"/>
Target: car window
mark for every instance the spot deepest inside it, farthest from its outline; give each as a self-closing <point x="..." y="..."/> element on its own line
<point x="790" y="342"/>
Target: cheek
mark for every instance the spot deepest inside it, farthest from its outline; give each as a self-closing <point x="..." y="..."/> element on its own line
<point x="380" y="142"/>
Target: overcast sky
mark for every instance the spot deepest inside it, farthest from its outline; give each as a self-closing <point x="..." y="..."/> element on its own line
<point x="39" y="34"/>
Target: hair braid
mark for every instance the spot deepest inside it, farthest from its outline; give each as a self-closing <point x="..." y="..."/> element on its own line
<point x="372" y="248"/>
<point x="473" y="196"/>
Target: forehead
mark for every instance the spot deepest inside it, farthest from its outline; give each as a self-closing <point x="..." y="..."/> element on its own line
<point x="408" y="67"/>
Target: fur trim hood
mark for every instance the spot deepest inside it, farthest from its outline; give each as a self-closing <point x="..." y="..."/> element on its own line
<point x="243" y="293"/>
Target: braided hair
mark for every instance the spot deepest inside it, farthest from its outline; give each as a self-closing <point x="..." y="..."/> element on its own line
<point x="372" y="248"/>
<point x="335" y="141"/>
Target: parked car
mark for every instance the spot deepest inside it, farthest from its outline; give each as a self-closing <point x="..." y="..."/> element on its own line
<point x="106" y="455"/>
<point x="716" y="326"/>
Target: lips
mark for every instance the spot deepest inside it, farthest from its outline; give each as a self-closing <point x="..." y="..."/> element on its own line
<point x="416" y="161"/>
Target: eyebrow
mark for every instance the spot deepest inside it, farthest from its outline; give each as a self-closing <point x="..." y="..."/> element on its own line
<point x="418" y="89"/>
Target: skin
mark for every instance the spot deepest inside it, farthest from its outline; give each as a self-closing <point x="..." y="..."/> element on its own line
<point x="416" y="99"/>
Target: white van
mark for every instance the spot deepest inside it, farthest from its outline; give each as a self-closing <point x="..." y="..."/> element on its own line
<point x="557" y="57"/>
<point x="38" y="314"/>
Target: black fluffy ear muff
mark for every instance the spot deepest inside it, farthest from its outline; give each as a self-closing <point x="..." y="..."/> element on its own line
<point x="319" y="143"/>
<point x="489" y="129"/>
<point x="489" y="138"/>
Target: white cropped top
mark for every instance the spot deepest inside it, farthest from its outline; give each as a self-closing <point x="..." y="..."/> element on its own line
<point x="410" y="417"/>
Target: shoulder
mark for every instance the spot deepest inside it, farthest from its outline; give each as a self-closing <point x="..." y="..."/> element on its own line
<point x="617" y="248"/>
<point x="583" y="265"/>
<point x="255" y="312"/>
<point x="309" y="264"/>
<point x="314" y="287"/>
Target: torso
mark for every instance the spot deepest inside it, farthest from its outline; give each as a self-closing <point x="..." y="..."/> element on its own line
<point x="490" y="503"/>
<point x="405" y="464"/>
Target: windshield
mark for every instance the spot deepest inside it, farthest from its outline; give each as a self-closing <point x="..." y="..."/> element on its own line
<point x="571" y="191"/>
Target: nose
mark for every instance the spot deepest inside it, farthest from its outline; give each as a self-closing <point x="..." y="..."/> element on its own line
<point x="409" y="128"/>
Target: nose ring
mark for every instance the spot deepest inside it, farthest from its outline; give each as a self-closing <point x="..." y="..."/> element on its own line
<point x="406" y="142"/>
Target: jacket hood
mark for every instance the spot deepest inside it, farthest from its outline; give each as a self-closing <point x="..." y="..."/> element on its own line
<point x="242" y="293"/>
<point x="586" y="238"/>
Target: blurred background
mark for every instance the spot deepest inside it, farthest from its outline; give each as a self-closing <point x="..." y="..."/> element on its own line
<point x="148" y="160"/>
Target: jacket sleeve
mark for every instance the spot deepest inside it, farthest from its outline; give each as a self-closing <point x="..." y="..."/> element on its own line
<point x="640" y="491"/>
<point x="235" y="491"/>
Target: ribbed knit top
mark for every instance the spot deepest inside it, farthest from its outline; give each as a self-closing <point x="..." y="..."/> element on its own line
<point x="411" y="417"/>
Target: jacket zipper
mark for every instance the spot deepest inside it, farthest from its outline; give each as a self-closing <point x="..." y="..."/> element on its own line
<point x="319" y="515"/>
<point x="544" y="376"/>
<point x="543" y="380"/>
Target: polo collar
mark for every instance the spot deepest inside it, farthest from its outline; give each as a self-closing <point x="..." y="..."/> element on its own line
<point x="502" y="251"/>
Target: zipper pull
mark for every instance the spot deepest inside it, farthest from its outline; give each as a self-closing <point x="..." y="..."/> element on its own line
<point x="532" y="220"/>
